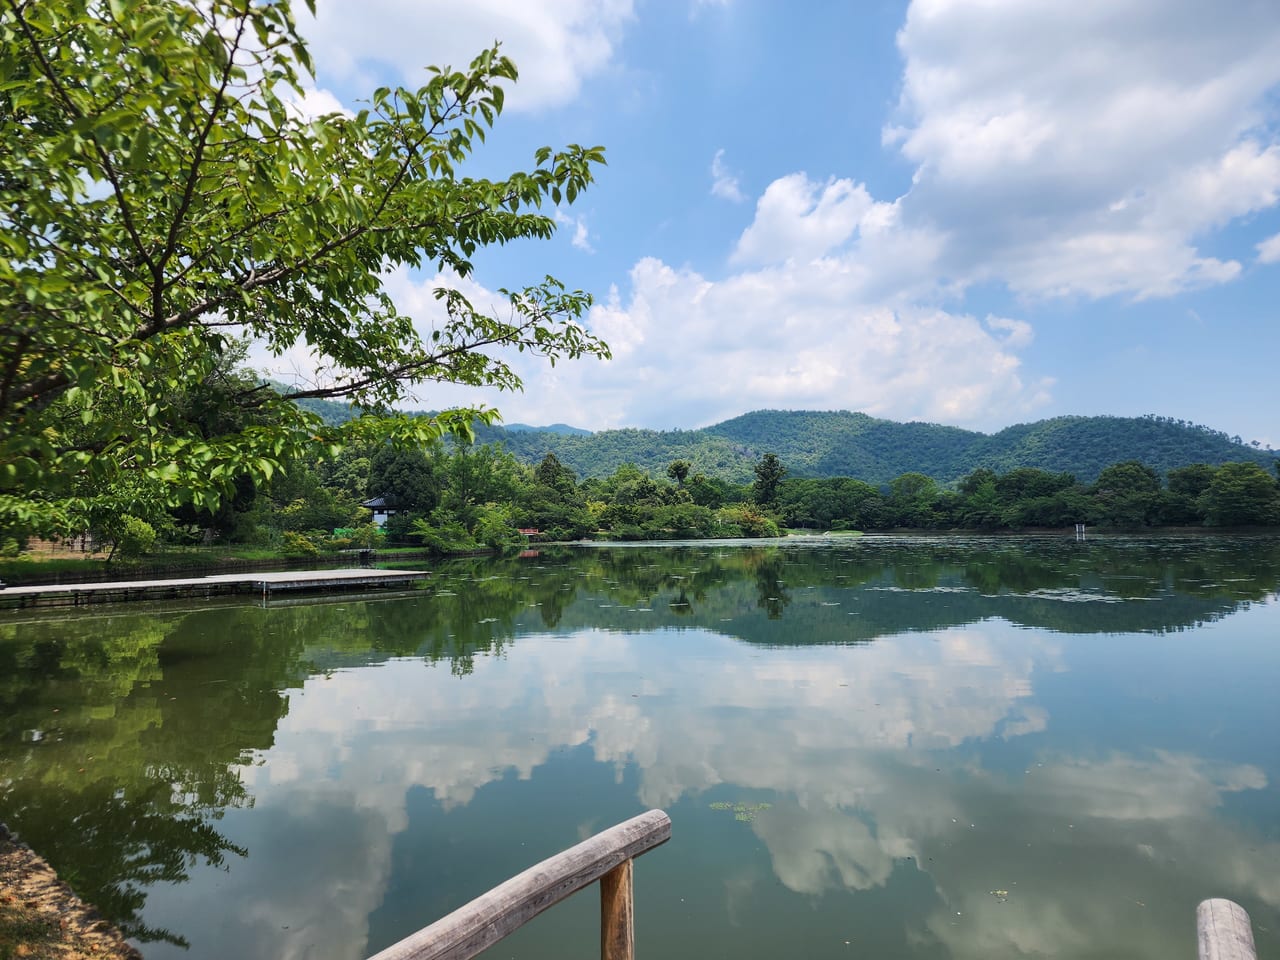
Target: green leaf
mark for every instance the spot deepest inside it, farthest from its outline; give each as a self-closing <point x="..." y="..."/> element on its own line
<point x="283" y="228"/>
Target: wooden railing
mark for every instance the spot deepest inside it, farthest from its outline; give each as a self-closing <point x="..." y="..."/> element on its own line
<point x="484" y="921"/>
<point x="1224" y="932"/>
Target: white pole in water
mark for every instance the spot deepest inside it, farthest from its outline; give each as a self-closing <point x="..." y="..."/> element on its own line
<point x="1223" y="931"/>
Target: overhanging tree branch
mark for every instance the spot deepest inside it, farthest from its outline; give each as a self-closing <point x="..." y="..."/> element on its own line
<point x="162" y="197"/>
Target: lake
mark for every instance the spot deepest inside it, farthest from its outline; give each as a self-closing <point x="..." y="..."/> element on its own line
<point x="878" y="747"/>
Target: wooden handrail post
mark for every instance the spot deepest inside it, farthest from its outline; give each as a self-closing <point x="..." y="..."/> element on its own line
<point x="617" y="914"/>
<point x="606" y="857"/>
<point x="1224" y="932"/>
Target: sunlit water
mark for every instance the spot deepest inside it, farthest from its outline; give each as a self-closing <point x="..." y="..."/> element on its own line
<point x="868" y="748"/>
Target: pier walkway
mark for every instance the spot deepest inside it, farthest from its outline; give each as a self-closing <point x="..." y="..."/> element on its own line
<point x="219" y="584"/>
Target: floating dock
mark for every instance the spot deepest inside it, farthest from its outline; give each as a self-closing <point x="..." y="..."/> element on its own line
<point x="220" y="584"/>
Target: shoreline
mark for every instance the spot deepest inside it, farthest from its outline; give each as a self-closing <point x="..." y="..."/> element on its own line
<point x="40" y="916"/>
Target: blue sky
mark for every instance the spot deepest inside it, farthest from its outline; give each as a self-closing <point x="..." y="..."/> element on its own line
<point x="972" y="212"/>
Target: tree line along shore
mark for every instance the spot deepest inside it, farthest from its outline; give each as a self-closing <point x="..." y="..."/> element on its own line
<point x="459" y="498"/>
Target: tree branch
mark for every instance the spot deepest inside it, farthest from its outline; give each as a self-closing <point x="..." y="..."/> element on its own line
<point x="103" y="157"/>
<point x="188" y="191"/>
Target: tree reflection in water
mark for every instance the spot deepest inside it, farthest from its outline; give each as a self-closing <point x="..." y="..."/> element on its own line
<point x="125" y="735"/>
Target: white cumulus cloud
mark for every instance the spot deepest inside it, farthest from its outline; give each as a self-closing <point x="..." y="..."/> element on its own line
<point x="687" y="350"/>
<point x="1269" y="250"/>
<point x="1086" y="148"/>
<point x="723" y="183"/>
<point x="797" y="335"/>
<point x="581" y="238"/>
<point x="314" y="103"/>
<point x="556" y="44"/>
<point x="1083" y="150"/>
<point x="797" y="219"/>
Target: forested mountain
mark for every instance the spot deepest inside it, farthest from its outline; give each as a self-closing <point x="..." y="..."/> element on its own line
<point x="553" y="428"/>
<point x="843" y="444"/>
<point x="831" y="444"/>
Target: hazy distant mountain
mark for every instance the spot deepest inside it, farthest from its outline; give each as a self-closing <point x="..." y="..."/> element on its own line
<point x="337" y="411"/>
<point x="839" y="443"/>
<point x="824" y="444"/>
<point x="562" y="428"/>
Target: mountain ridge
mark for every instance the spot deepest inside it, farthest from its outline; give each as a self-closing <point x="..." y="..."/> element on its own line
<point x="817" y="443"/>
<point x="844" y="443"/>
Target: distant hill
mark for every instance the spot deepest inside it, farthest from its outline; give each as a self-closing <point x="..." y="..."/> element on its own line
<point x="562" y="428"/>
<point x="337" y="411"/>
<point x="825" y="444"/>
<point x="840" y="443"/>
<point x="331" y="412"/>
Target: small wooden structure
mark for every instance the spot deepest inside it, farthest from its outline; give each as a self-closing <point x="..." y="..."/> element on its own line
<point x="220" y="584"/>
<point x="1223" y="931"/>
<point x="383" y="508"/>
<point x="484" y="921"/>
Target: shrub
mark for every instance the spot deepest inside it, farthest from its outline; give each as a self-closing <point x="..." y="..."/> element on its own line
<point x="295" y="544"/>
<point x="749" y="519"/>
<point x="400" y="527"/>
<point x="368" y="535"/>
<point x="443" y="534"/>
<point x="134" y="538"/>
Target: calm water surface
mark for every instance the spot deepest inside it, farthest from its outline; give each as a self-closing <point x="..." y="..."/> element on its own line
<point x="923" y="748"/>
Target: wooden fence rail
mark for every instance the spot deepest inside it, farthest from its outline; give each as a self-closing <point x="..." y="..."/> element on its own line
<point x="487" y="919"/>
<point x="1224" y="932"/>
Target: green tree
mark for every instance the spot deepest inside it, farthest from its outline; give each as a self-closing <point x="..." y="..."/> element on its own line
<point x="713" y="492"/>
<point x="833" y="503"/>
<point x="406" y="478"/>
<point x="1126" y="494"/>
<point x="911" y="500"/>
<point x="157" y="188"/>
<point x="1241" y="494"/>
<point x="476" y="476"/>
<point x="1028" y="483"/>
<point x="349" y="470"/>
<point x="550" y="472"/>
<point x="769" y="473"/>
<point x="1184" y="499"/>
<point x="981" y="503"/>
<point x="678" y="470"/>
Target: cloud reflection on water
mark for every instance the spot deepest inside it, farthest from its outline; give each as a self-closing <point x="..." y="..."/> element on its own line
<point x="871" y="753"/>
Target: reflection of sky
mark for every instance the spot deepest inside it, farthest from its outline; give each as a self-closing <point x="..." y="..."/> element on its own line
<point x="928" y="763"/>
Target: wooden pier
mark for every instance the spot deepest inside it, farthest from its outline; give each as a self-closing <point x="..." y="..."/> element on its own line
<point x="222" y="584"/>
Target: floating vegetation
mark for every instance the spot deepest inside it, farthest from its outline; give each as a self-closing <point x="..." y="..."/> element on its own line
<point x="745" y="812"/>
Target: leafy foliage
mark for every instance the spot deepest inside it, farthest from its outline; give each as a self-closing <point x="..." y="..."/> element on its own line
<point x="769" y="473"/>
<point x="160" y="191"/>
